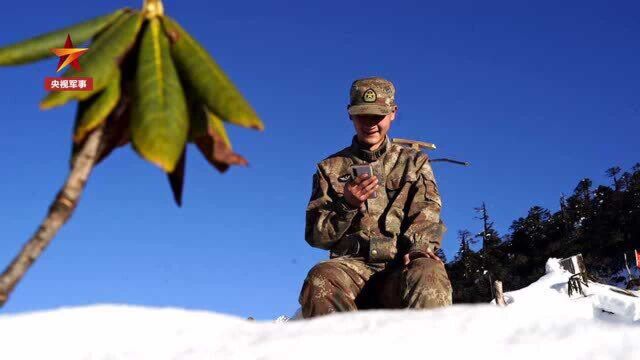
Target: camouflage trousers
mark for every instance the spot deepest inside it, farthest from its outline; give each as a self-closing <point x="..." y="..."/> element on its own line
<point x="348" y="284"/>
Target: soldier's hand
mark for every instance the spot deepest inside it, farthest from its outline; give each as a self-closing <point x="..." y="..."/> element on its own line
<point x="419" y="254"/>
<point x="359" y="190"/>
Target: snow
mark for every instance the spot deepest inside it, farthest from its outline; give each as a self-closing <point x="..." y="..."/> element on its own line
<point x="541" y="321"/>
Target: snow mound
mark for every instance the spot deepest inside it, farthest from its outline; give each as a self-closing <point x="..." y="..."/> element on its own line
<point x="541" y="321"/>
<point x="550" y="295"/>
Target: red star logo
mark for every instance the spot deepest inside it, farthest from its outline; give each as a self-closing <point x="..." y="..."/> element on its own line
<point x="69" y="55"/>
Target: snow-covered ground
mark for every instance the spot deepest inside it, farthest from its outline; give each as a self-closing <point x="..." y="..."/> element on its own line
<point x="541" y="322"/>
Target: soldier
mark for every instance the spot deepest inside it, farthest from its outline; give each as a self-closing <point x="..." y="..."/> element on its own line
<point x="382" y="230"/>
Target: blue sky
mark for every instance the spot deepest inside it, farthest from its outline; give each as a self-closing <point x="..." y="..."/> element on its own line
<point x="536" y="95"/>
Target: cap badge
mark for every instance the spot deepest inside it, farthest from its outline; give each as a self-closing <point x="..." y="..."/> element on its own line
<point x="369" y="96"/>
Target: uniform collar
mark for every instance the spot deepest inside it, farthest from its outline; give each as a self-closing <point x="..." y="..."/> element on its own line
<point x="366" y="154"/>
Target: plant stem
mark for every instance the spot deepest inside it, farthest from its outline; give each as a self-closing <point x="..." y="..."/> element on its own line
<point x="59" y="212"/>
<point x="153" y="8"/>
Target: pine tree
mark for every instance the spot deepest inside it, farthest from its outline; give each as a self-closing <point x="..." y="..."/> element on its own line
<point x="465" y="271"/>
<point x="601" y="224"/>
<point x="464" y="236"/>
<point x="489" y="235"/>
<point x="613" y="172"/>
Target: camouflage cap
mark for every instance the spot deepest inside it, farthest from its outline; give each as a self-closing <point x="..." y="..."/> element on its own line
<point x="373" y="95"/>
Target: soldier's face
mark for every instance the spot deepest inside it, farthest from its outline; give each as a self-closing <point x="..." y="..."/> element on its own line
<point x="372" y="129"/>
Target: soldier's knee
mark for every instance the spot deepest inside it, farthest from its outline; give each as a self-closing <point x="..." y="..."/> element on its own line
<point x="427" y="266"/>
<point x="315" y="285"/>
<point x="326" y="289"/>
<point x="430" y="271"/>
<point x="322" y="269"/>
<point x="320" y="279"/>
<point x="428" y="283"/>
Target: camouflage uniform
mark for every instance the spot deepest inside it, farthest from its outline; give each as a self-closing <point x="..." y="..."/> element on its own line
<point x="367" y="244"/>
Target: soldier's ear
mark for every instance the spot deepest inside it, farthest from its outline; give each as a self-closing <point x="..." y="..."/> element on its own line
<point x="395" y="112"/>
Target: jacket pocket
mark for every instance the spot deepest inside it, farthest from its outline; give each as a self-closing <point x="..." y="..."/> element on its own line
<point x="393" y="186"/>
<point x="397" y="190"/>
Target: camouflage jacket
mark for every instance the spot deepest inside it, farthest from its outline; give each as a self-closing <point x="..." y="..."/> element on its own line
<point x="404" y="216"/>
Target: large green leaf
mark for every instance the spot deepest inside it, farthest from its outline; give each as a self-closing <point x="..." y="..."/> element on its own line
<point x="97" y="112"/>
<point x="210" y="83"/>
<point x="115" y="130"/>
<point x="101" y="61"/>
<point x="40" y="46"/>
<point x="208" y="132"/>
<point x="159" y="123"/>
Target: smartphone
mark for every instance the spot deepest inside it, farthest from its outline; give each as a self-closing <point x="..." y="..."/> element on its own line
<point x="358" y="170"/>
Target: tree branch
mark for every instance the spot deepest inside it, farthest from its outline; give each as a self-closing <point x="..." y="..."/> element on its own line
<point x="59" y="212"/>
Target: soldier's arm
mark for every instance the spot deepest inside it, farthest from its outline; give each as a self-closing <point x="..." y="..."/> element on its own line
<point x="328" y="217"/>
<point x="424" y="227"/>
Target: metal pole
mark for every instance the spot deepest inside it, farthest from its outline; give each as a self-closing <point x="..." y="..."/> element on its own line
<point x="626" y="264"/>
<point x="499" y="294"/>
<point x="493" y="295"/>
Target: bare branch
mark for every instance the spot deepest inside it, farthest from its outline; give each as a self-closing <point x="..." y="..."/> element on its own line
<point x="59" y="212"/>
